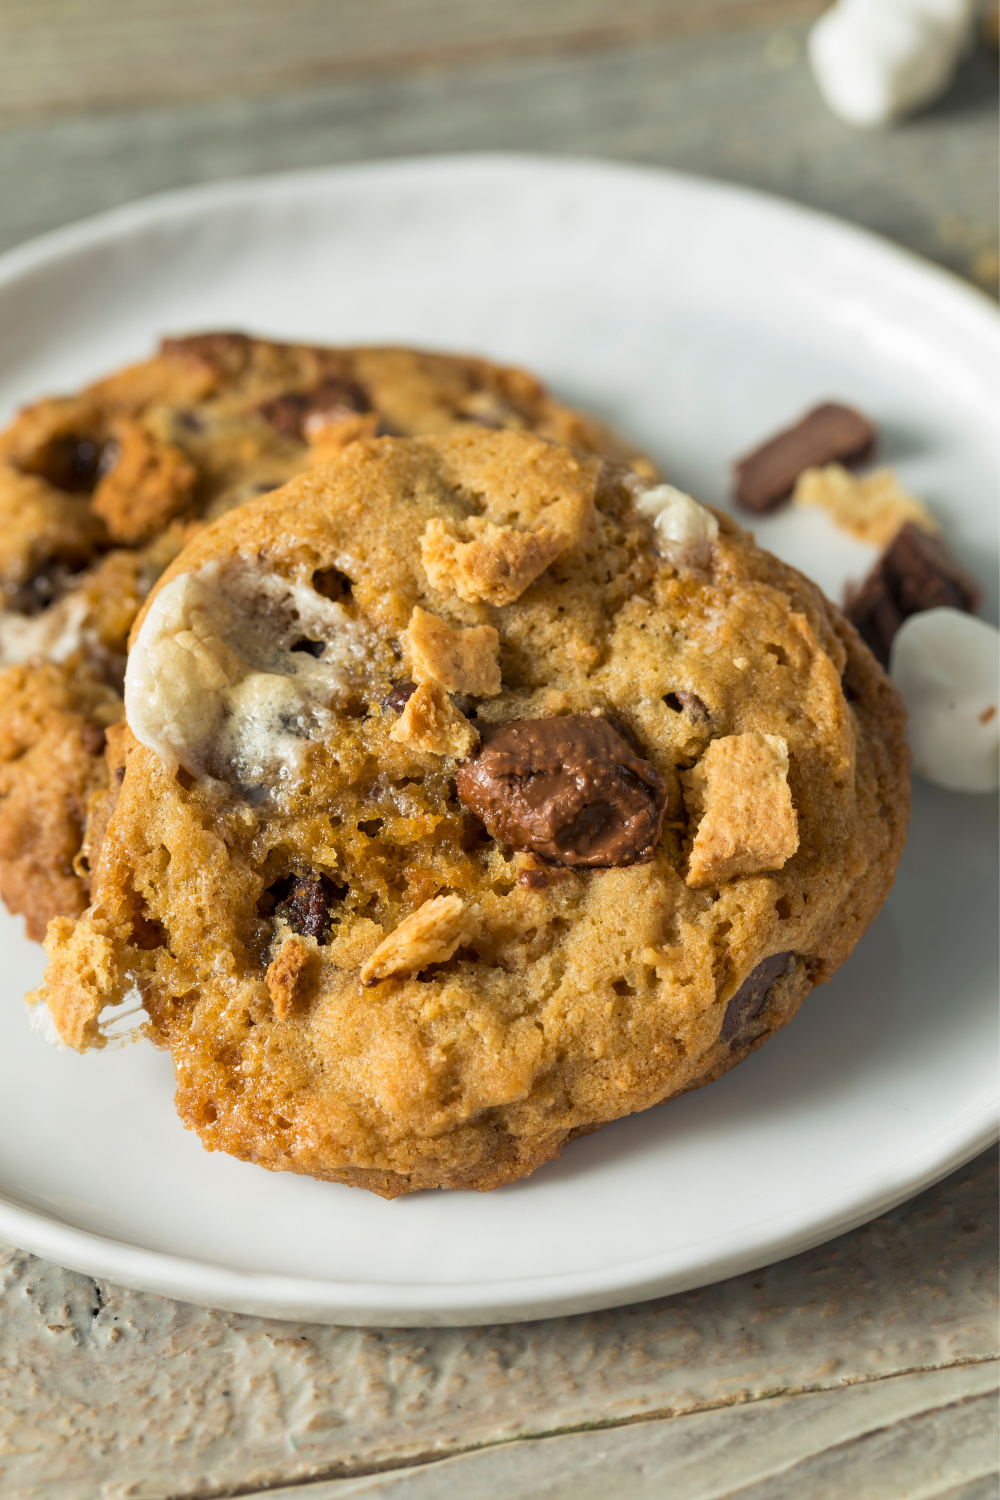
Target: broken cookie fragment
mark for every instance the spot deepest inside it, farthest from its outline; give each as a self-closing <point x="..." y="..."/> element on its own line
<point x="830" y="433"/>
<point x="570" y="789"/>
<point x="430" y="935"/>
<point x="916" y="572"/>
<point x="430" y="721"/>
<point x="494" y="565"/>
<point x="748" y="824"/>
<point x="462" y="661"/>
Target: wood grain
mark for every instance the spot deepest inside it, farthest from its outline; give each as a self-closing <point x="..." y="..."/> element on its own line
<point x="58" y="56"/>
<point x="102" y="1389"/>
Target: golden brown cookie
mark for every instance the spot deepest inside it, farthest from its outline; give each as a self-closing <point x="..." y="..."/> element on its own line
<point x="407" y="947"/>
<point x="98" y="490"/>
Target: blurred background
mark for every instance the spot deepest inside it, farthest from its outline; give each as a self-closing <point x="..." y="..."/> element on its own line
<point x="102" y="101"/>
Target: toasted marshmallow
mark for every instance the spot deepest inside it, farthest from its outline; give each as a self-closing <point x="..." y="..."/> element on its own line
<point x="946" y="665"/>
<point x="214" y="682"/>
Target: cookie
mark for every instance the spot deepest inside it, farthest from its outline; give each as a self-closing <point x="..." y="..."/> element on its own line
<point x="98" y="490"/>
<point x="417" y="885"/>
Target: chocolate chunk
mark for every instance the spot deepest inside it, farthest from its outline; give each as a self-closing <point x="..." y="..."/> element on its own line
<point x="752" y="996"/>
<point x="570" y="789"/>
<point x="334" y="398"/>
<point x="399" y="696"/>
<point x="312" y="648"/>
<point x="71" y="462"/>
<point x="827" y="434"/>
<point x="684" y="702"/>
<point x="306" y="908"/>
<point x="53" y="579"/>
<point x="914" y="573"/>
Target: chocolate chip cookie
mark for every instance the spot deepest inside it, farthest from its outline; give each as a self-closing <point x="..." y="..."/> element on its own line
<point x="476" y="793"/>
<point x="98" y="490"/>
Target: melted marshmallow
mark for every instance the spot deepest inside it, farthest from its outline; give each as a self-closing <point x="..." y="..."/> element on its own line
<point x="877" y="60"/>
<point x="685" y="530"/>
<point x="212" y="683"/>
<point x="946" y="665"/>
<point x="52" y="635"/>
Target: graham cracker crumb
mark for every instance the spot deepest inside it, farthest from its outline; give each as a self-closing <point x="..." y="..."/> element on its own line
<point x="462" y="661"/>
<point x="748" y="823"/>
<point x="430" y="721"/>
<point x="871" y="508"/>
<point x="284" y="973"/>
<point x="429" y="935"/>
<point x="495" y="567"/>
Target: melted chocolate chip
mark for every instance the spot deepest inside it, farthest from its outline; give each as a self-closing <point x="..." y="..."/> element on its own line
<point x="916" y="572"/>
<point x="570" y="789"/>
<point x="53" y="578"/>
<point x="399" y="696"/>
<point x="684" y="702"/>
<point x="752" y="996"/>
<point x="334" y="398"/>
<point x="306" y="907"/>
<point x="828" y="434"/>
<point x="93" y="739"/>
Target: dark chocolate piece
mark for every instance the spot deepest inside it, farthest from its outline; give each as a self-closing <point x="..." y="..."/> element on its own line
<point x="752" y="995"/>
<point x="827" y="434"/>
<point x="72" y="462"/>
<point x="334" y="398"/>
<point x="914" y="573"/>
<point x="570" y="789"/>
<point x="399" y="696"/>
<point x="312" y="648"/>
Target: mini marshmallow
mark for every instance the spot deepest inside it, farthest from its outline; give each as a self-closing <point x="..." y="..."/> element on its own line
<point x="946" y="665"/>
<point x="685" y="529"/>
<point x="878" y="60"/>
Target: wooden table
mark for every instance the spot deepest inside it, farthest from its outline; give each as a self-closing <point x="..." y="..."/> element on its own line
<point x="866" y="1367"/>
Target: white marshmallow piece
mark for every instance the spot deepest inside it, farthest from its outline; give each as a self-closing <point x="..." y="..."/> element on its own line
<point x="878" y="60"/>
<point x="685" y="529"/>
<point x="946" y="665"/>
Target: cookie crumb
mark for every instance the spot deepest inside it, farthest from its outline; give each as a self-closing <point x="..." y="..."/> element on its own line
<point x="872" y="508"/>
<point x="430" y="935"/>
<point x="284" y="973"/>
<point x="462" y="661"/>
<point x="430" y="721"/>
<point x="748" y="823"/>
<point x="495" y="566"/>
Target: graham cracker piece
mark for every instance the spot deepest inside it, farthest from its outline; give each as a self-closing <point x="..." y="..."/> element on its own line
<point x="429" y="935"/>
<point x="283" y="975"/>
<point x="495" y="566"/>
<point x="748" y="823"/>
<point x="462" y="661"/>
<point x="430" y="721"/>
<point x="871" y="508"/>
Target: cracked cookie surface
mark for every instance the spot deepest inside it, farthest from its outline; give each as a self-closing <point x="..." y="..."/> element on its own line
<point x="355" y="979"/>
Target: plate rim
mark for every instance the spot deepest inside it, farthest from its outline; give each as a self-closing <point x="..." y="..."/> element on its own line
<point x="402" y="1304"/>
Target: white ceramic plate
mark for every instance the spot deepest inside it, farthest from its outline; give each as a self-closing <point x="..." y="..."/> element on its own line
<point x="699" y="318"/>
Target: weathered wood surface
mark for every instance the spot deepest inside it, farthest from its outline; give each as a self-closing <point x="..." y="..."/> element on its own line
<point x="61" y="55"/>
<point x="739" y="105"/>
<point x="820" y="1361"/>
